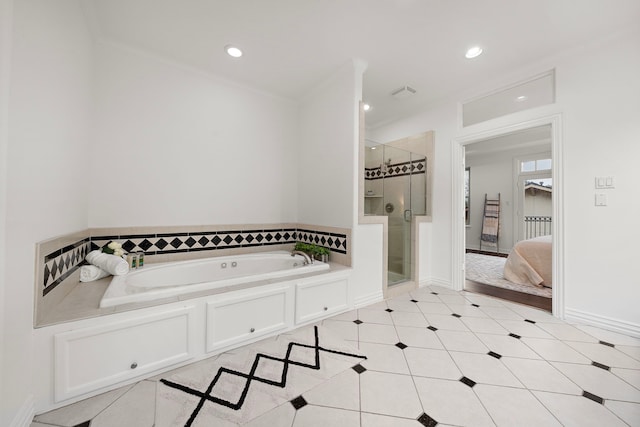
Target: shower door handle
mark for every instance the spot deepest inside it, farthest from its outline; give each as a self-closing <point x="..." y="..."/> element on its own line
<point x="407" y="215"/>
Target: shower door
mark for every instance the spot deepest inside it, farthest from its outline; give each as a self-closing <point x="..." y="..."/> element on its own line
<point x="404" y="197"/>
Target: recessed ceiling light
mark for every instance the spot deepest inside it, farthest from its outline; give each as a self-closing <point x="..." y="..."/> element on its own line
<point x="366" y="107"/>
<point x="373" y="148"/>
<point x="522" y="98"/>
<point x="473" y="52"/>
<point x="233" y="51"/>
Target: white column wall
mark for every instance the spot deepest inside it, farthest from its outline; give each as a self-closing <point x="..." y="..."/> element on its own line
<point x="177" y="146"/>
<point x="6" y="27"/>
<point x="48" y="139"/>
<point x="327" y="155"/>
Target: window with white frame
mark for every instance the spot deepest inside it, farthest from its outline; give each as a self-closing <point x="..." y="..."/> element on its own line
<point x="537" y="165"/>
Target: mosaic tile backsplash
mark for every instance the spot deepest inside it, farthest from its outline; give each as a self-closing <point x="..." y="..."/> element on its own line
<point x="61" y="263"/>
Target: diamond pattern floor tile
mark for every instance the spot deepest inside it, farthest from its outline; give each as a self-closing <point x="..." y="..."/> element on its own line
<point x="627" y="411"/>
<point x="389" y="394"/>
<point x="598" y="381"/>
<point x="443" y="400"/>
<point x="384" y="358"/>
<point x="318" y="416"/>
<point x="555" y="350"/>
<point x="514" y="407"/>
<point x="375" y="316"/>
<point x="425" y="362"/>
<point x="507" y="346"/>
<point x="540" y="375"/>
<point x="576" y="411"/>
<point x="461" y="341"/>
<point x="609" y="356"/>
<point x="418" y="337"/>
<point x="484" y="369"/>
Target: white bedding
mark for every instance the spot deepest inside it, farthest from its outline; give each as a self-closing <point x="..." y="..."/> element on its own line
<point x="530" y="262"/>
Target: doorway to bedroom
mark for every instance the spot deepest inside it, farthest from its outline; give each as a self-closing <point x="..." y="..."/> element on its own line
<point x="508" y="190"/>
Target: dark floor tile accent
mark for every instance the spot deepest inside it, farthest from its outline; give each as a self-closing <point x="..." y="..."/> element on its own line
<point x="359" y="368"/>
<point x="84" y="424"/>
<point x="494" y="354"/>
<point x="432" y="328"/>
<point x="401" y="346"/>
<point x="530" y="321"/>
<point x="427" y="421"/>
<point x="357" y="321"/>
<point x="456" y="315"/>
<point x="475" y="305"/>
<point x="299" y="402"/>
<point x="467" y="381"/>
<point x="593" y="397"/>
<point x="607" y="344"/>
<point x="414" y="300"/>
<point x="515" y="336"/>
<point x="388" y="310"/>
<point x="601" y="366"/>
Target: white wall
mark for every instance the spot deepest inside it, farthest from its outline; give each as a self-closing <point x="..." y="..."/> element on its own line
<point x="491" y="176"/>
<point x="327" y="151"/>
<point x="6" y="27"/>
<point x="598" y="92"/>
<point x="49" y="115"/>
<point x="595" y="86"/>
<point x="176" y="146"/>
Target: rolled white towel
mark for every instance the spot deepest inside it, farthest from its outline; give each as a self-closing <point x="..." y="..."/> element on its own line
<point x="89" y="273"/>
<point x="110" y="263"/>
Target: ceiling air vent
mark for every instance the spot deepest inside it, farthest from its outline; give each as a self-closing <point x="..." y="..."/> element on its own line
<point x="403" y="92"/>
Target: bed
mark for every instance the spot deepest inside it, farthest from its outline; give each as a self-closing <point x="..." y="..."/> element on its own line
<point x="529" y="262"/>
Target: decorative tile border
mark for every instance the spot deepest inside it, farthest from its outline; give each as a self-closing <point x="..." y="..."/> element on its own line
<point x="334" y="241"/>
<point x="60" y="264"/>
<point x="171" y="243"/>
<point x="414" y="167"/>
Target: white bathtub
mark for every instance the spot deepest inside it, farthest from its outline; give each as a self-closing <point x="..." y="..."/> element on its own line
<point x="163" y="280"/>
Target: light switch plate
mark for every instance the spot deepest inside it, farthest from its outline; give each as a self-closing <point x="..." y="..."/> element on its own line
<point x="605" y="182"/>
<point x="601" y="200"/>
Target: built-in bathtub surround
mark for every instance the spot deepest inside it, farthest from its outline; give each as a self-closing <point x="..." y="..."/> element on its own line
<point x="58" y="260"/>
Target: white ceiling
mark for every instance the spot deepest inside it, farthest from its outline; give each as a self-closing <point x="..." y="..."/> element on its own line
<point x="292" y="45"/>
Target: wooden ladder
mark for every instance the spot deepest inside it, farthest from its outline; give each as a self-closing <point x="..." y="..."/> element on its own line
<point x="491" y="223"/>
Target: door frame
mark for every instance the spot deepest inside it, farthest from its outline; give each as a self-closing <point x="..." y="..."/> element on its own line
<point x="457" y="180"/>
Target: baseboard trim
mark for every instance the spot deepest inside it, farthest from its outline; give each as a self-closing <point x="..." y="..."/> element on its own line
<point x="25" y="415"/>
<point x="608" y="323"/>
<point x="368" y="299"/>
<point x="440" y="282"/>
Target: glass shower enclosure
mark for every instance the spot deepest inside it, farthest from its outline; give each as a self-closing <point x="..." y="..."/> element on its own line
<point x="396" y="186"/>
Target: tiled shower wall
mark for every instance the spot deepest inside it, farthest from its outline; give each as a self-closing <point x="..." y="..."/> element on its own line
<point x="58" y="259"/>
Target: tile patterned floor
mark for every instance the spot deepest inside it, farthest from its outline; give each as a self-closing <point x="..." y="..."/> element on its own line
<point x="439" y="357"/>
